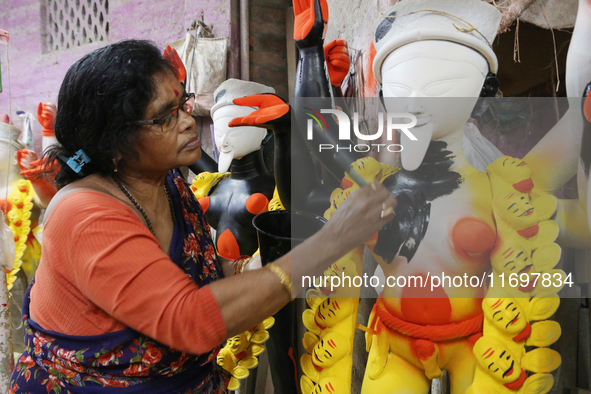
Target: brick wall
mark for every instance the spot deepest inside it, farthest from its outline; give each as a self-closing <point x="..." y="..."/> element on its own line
<point x="268" y="51"/>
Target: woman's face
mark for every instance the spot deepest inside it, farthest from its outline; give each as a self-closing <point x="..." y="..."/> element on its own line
<point x="179" y="146"/>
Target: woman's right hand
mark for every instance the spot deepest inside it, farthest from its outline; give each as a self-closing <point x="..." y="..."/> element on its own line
<point x="360" y="216"/>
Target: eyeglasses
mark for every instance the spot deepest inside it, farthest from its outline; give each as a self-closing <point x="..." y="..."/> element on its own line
<point x="168" y="122"/>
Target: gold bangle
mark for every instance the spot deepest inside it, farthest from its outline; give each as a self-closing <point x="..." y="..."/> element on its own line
<point x="285" y="279"/>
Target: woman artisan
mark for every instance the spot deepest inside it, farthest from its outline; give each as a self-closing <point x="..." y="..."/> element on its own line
<point x="130" y="296"/>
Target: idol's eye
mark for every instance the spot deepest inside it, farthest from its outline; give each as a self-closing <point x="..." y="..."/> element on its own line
<point x="440" y="88"/>
<point x="396" y="90"/>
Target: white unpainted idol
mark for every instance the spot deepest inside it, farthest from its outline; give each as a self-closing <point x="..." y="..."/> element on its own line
<point x="422" y="78"/>
<point x="235" y="142"/>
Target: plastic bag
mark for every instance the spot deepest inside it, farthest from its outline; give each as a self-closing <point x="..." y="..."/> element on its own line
<point x="205" y="62"/>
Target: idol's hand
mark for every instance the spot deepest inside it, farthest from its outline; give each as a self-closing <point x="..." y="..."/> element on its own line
<point x="273" y="111"/>
<point x="171" y="55"/>
<point x="311" y="17"/>
<point x="46" y="116"/>
<point x="33" y="169"/>
<point x="336" y="54"/>
<point x="25" y="158"/>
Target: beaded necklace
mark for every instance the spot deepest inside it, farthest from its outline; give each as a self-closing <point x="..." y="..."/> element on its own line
<point x="139" y="207"/>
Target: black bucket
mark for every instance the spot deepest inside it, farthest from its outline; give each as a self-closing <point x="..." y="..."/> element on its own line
<point x="279" y="232"/>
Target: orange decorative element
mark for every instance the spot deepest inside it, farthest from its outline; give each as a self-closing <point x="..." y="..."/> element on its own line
<point x="171" y="55"/>
<point x="425" y="349"/>
<point x="5" y="205"/>
<point x="204" y="202"/>
<point x="336" y="54"/>
<point x="33" y="168"/>
<point x="473" y="239"/>
<point x="587" y="107"/>
<point x="516" y="385"/>
<point x="305" y="17"/>
<point x="524" y="186"/>
<point x="524" y="334"/>
<point x="473" y="338"/>
<point x="529" y="232"/>
<point x="228" y="246"/>
<point x="46" y="113"/>
<point x="346" y="183"/>
<point x="257" y="203"/>
<point x="295" y="367"/>
<point x="431" y="332"/>
<point x="370" y="86"/>
<point x="423" y="306"/>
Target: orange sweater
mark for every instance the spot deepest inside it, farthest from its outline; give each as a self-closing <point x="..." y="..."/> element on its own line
<point x="102" y="270"/>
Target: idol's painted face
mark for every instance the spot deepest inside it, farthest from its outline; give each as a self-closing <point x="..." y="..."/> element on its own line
<point x="329" y="350"/>
<point x="505" y="314"/>
<point x="238" y="343"/>
<point x="332" y="311"/>
<point x="512" y="258"/>
<point x="235" y="142"/>
<point x="515" y="208"/>
<point x="330" y="385"/>
<point x="496" y="358"/>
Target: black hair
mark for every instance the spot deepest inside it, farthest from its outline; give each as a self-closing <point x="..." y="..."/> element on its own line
<point x="100" y="94"/>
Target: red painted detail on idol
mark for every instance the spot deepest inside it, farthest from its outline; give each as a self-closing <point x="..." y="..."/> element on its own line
<point x="518" y="383"/>
<point x="418" y="309"/>
<point x="228" y="246"/>
<point x="523" y="335"/>
<point x="473" y="239"/>
<point x="5" y="205"/>
<point x="431" y="332"/>
<point x="529" y="232"/>
<point x="295" y="368"/>
<point x="473" y="338"/>
<point x="524" y="186"/>
<point x="587" y="104"/>
<point x="204" y="202"/>
<point x="425" y="349"/>
<point x="257" y="203"/>
<point x="346" y="183"/>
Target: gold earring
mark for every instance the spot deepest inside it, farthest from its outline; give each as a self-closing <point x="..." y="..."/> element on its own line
<point x="115" y="163"/>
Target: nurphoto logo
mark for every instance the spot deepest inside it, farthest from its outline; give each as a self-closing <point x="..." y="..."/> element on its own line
<point x="394" y="121"/>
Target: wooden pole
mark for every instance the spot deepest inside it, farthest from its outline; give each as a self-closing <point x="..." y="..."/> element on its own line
<point x="6" y="355"/>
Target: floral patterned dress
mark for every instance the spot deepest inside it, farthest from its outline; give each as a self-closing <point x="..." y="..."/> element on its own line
<point x="126" y="361"/>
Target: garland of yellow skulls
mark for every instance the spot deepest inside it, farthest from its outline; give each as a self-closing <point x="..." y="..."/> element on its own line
<point x="523" y="288"/>
<point x="241" y="351"/>
<point x="239" y="354"/>
<point x="332" y="317"/>
<point x="19" y="221"/>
